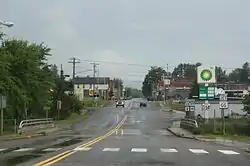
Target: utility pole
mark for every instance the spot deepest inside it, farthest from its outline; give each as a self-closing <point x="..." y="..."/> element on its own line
<point x="61" y="72"/>
<point x="74" y="61"/>
<point x="94" y="72"/>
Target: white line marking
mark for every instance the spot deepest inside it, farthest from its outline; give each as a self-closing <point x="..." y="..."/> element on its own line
<point x="51" y="149"/>
<point x="228" y="152"/>
<point x="111" y="149"/>
<point x="116" y="132"/>
<point x="139" y="150"/>
<point x="82" y="149"/>
<point x="198" y="151"/>
<point x="23" y="149"/>
<point x="122" y="132"/>
<point x="169" y="150"/>
<point x="2" y="150"/>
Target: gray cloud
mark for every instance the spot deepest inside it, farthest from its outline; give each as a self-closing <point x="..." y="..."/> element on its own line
<point x="135" y="31"/>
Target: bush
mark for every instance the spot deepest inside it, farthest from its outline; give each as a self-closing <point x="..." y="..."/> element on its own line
<point x="233" y="127"/>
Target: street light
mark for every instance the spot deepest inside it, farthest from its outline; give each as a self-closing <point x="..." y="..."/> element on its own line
<point x="6" y="23"/>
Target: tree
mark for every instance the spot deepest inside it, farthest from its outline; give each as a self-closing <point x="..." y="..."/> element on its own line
<point x="27" y="77"/>
<point x="185" y="70"/>
<point x="118" y="84"/>
<point x="221" y="76"/>
<point x="246" y="103"/>
<point x="151" y="80"/>
<point x="240" y="75"/>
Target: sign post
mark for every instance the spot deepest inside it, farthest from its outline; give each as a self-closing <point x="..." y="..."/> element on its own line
<point x="206" y="75"/>
<point x="59" y="106"/>
<point x="2" y="105"/>
<point x="223" y="106"/>
<point x="190" y="107"/>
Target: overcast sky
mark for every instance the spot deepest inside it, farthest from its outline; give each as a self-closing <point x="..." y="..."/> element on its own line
<point x="146" y="32"/>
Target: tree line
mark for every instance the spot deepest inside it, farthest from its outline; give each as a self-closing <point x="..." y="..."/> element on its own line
<point x="31" y="84"/>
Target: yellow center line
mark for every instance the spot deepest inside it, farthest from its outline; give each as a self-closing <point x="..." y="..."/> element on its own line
<point x="67" y="153"/>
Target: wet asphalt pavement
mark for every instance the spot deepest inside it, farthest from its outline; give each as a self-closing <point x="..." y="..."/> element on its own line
<point x="21" y="151"/>
<point x="142" y="141"/>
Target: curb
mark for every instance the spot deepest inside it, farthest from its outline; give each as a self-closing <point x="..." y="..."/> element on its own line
<point x="180" y="135"/>
<point x="23" y="137"/>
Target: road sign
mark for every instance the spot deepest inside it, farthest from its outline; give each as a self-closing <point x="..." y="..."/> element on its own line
<point x="91" y="92"/>
<point x="189" y="102"/>
<point x="223" y="97"/>
<point x="223" y="104"/>
<point x="59" y="104"/>
<point x="190" y="108"/>
<point x="206" y="92"/>
<point x="206" y="74"/>
<point x="205" y="107"/>
<point x="167" y="81"/>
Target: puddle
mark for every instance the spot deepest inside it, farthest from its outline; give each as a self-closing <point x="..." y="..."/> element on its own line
<point x="67" y="143"/>
<point x="18" y="159"/>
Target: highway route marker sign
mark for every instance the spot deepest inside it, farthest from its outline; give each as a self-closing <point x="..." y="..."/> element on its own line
<point x="223" y="105"/>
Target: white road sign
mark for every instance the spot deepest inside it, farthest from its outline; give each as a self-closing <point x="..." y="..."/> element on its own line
<point x="223" y="97"/>
<point x="167" y="81"/>
<point x="206" y="74"/>
<point x="192" y="108"/>
<point x="223" y="104"/>
<point x="187" y="109"/>
<point x="189" y="102"/>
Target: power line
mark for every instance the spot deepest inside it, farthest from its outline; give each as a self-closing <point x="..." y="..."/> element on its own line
<point x="145" y="65"/>
<point x="74" y="61"/>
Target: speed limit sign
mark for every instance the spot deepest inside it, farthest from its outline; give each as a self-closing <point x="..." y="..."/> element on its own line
<point x="223" y="104"/>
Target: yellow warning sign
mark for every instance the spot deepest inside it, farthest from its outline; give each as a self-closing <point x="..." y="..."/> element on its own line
<point x="91" y="92"/>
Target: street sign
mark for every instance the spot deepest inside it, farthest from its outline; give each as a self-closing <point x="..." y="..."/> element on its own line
<point x="167" y="81"/>
<point x="46" y="108"/>
<point x="2" y="101"/>
<point x="206" y="74"/>
<point x="223" y="97"/>
<point x="59" y="104"/>
<point x="206" y="92"/>
<point x="91" y="92"/>
<point x="223" y="104"/>
<point x="205" y="107"/>
<point x="190" y="108"/>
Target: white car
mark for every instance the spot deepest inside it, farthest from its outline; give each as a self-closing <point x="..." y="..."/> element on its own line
<point x="120" y="103"/>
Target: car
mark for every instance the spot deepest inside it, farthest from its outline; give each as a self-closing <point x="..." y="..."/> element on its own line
<point x="120" y="103"/>
<point x="143" y="104"/>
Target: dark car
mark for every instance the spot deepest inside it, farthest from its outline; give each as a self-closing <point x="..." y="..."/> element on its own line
<point x="143" y="104"/>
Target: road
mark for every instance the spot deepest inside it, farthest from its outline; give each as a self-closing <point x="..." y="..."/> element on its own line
<point x="20" y="151"/>
<point x="141" y="139"/>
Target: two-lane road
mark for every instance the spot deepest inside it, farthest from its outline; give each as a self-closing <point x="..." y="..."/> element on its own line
<point x="143" y="140"/>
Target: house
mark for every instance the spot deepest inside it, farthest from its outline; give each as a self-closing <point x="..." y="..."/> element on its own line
<point x="88" y="86"/>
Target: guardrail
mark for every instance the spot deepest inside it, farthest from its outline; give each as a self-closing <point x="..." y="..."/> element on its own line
<point x="188" y="123"/>
<point x="35" y="125"/>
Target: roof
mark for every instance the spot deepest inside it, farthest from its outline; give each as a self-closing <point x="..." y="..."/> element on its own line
<point x="91" y="80"/>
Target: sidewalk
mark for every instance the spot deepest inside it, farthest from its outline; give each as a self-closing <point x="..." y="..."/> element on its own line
<point x="179" y="132"/>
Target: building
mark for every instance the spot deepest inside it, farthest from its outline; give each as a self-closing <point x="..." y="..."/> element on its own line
<point x="177" y="89"/>
<point x="84" y="86"/>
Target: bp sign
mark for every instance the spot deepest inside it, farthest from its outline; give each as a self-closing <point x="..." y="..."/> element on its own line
<point x="206" y="74"/>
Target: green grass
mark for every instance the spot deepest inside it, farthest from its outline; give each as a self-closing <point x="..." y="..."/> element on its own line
<point x="177" y="106"/>
<point x="229" y="137"/>
<point x="73" y="118"/>
<point x="247" y="150"/>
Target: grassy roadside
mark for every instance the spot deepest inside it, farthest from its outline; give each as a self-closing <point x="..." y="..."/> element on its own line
<point x="73" y="118"/>
<point x="227" y="137"/>
<point x="177" y="106"/>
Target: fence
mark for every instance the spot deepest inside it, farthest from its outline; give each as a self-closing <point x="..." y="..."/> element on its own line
<point x="35" y="125"/>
